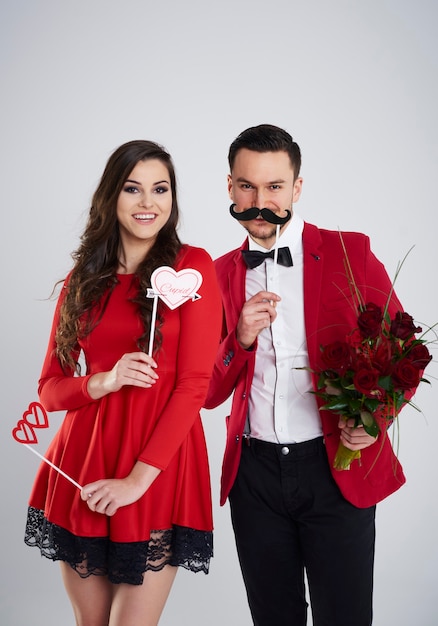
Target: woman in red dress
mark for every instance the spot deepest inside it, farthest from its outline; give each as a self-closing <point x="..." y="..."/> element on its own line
<point x="132" y="434"/>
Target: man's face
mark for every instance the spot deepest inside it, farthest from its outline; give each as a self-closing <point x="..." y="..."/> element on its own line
<point x="264" y="180"/>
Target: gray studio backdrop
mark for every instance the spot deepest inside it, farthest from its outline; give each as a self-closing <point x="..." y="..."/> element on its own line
<point x="354" y="82"/>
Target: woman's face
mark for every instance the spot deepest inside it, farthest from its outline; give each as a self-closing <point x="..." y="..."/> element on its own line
<point x="144" y="204"/>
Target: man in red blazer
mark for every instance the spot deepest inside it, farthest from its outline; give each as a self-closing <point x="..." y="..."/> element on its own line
<point x="292" y="513"/>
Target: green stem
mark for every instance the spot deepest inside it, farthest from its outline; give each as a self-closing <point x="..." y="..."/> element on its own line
<point x="344" y="457"/>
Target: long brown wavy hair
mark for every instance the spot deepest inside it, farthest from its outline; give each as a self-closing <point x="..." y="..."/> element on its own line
<point x="93" y="276"/>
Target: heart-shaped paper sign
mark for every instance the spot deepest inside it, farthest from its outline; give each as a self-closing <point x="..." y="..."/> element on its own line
<point x="175" y="288"/>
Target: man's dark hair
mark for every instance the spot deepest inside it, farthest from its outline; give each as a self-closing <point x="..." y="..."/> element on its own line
<point x="266" y="138"/>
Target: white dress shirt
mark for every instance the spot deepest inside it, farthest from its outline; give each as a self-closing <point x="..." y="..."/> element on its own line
<point x="281" y="409"/>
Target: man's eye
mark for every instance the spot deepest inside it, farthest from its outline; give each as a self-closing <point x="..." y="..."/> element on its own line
<point x="275" y="187"/>
<point x="246" y="186"/>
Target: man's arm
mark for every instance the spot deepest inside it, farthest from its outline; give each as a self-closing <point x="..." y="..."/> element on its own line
<point x="239" y="346"/>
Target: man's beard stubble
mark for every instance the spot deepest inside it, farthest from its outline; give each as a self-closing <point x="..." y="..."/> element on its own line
<point x="262" y="236"/>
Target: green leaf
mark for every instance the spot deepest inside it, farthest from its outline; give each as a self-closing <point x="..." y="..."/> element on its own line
<point x="385" y="382"/>
<point x="367" y="418"/>
<point x="355" y="404"/>
<point x="399" y="402"/>
<point x="372" y="430"/>
<point x="371" y="404"/>
<point x="336" y="404"/>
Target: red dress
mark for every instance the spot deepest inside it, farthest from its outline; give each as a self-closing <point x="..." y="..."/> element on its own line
<point x="161" y="426"/>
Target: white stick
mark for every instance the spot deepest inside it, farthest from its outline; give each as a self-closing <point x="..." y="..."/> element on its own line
<point x="277" y="235"/>
<point x="152" y="333"/>
<point x="54" y="466"/>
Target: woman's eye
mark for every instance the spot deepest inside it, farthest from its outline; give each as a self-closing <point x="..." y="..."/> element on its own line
<point x="161" y="189"/>
<point x="130" y="189"/>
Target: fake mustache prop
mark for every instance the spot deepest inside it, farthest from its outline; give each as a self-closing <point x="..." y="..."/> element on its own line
<point x="253" y="212"/>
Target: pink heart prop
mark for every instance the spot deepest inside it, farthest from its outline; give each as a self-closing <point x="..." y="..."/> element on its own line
<point x="24" y="433"/>
<point x="36" y="416"/>
<point x="175" y="288"/>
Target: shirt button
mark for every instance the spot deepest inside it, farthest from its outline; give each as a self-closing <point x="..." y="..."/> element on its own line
<point x="285" y="451"/>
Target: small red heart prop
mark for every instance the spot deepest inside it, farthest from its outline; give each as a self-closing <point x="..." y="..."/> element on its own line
<point x="24" y="433"/>
<point x="36" y="415"/>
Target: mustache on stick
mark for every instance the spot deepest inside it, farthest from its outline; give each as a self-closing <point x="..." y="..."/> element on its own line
<point x="253" y="212"/>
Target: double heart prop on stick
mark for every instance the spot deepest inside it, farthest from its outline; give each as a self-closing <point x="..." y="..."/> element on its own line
<point x="174" y="288"/>
<point x="35" y="416"/>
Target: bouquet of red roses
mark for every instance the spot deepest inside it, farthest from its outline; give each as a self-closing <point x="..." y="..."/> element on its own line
<point x="373" y="372"/>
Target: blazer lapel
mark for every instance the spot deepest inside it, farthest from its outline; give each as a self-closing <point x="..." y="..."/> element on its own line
<point x="313" y="270"/>
<point x="236" y="283"/>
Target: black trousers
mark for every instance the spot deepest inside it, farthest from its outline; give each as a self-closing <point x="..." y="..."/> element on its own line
<point x="289" y="517"/>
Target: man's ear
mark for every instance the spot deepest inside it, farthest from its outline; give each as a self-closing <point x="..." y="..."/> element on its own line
<point x="297" y="189"/>
<point x="230" y="186"/>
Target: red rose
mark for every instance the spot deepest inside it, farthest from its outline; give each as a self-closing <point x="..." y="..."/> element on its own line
<point x="370" y="320"/>
<point x="355" y="339"/>
<point x="382" y="357"/>
<point x="402" y="326"/>
<point x="405" y="375"/>
<point x="336" y="355"/>
<point x="419" y="356"/>
<point x="366" y="380"/>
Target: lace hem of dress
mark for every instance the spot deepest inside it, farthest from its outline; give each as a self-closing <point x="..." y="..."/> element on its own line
<point x="121" y="562"/>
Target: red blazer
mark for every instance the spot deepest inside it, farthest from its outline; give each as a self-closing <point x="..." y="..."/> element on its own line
<point x="330" y="312"/>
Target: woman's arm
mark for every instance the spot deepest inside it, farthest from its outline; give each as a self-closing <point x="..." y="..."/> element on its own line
<point x="197" y="348"/>
<point x="109" y="494"/>
<point x="61" y="390"/>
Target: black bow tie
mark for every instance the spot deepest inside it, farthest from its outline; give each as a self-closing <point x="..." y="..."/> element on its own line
<point x="254" y="258"/>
